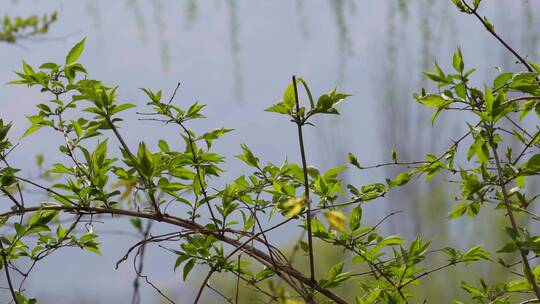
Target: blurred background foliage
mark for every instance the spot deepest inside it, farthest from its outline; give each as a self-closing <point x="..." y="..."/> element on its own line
<point x="375" y="49"/>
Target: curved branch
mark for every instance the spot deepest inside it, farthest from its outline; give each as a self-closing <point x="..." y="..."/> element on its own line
<point x="284" y="270"/>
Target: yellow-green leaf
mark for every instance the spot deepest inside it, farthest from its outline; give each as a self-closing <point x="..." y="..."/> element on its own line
<point x="75" y="52"/>
<point x="337" y="220"/>
<point x="294" y="205"/>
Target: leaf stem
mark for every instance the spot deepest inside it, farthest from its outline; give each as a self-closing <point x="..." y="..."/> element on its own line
<point x="306" y="181"/>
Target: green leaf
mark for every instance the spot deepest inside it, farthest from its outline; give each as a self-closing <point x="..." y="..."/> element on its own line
<point x="472" y="290"/>
<point x="480" y="149"/>
<point x="355" y="217"/>
<point x="327" y="102"/>
<point x="402" y="178"/>
<point x="87" y="237"/>
<point x="137" y="223"/>
<point x="332" y="173"/>
<point x="488" y="25"/>
<point x="489" y="100"/>
<point x="458" y="211"/>
<point x="475" y="254"/>
<point x="181" y="259"/>
<point x="92" y="247"/>
<point x="501" y="80"/>
<point x="163" y="145"/>
<point x="49" y="66"/>
<point x="280" y="108"/>
<point x="27" y="68"/>
<point x="288" y="98"/>
<point x="145" y="160"/>
<point x="334" y="271"/>
<point x="31" y="130"/>
<point x="187" y="268"/>
<point x="432" y="100"/>
<point x="194" y="109"/>
<point x="433" y="76"/>
<point x="509" y="248"/>
<point x="525" y="82"/>
<point x="534" y="163"/>
<point x="122" y="107"/>
<point x="21" y="299"/>
<point x="518" y="286"/>
<point x="393" y="153"/>
<point x="248" y="157"/>
<point x="458" y="61"/>
<point x="20" y="229"/>
<point x="44" y="217"/>
<point x="209" y="137"/>
<point x="459" y="4"/>
<point x="75" y="52"/>
<point x="354" y="161"/>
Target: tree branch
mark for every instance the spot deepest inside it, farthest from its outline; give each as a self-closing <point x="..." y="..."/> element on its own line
<point x="494" y="34"/>
<point x="263" y="258"/>
<point x="306" y="181"/>
<point x="502" y="184"/>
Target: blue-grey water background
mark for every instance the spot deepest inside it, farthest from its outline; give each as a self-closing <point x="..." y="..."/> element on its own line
<point x="237" y="57"/>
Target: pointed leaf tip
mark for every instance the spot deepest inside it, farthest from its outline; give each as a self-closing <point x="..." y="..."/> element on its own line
<point x="75" y="52"/>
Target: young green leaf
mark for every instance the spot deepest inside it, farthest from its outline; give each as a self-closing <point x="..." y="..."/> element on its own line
<point x="75" y="52"/>
<point x="458" y="61"/>
<point x="354" y="161"/>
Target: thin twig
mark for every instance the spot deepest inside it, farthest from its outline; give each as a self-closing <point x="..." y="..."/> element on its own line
<point x="12" y="198"/>
<point x="136" y="297"/>
<point x="494" y="34"/>
<point x="204" y="283"/>
<point x="238" y="282"/>
<point x="139" y="273"/>
<point x="199" y="174"/>
<point x="8" y="277"/>
<point x="306" y="182"/>
<point x="174" y="93"/>
<point x="220" y="293"/>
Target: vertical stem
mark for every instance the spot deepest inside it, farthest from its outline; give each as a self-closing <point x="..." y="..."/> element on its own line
<point x="237" y="296"/>
<point x="199" y="175"/>
<point x="8" y="277"/>
<point x="502" y="183"/>
<point x="148" y="183"/>
<point x="136" y="296"/>
<point x="204" y="283"/>
<point x="306" y="181"/>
